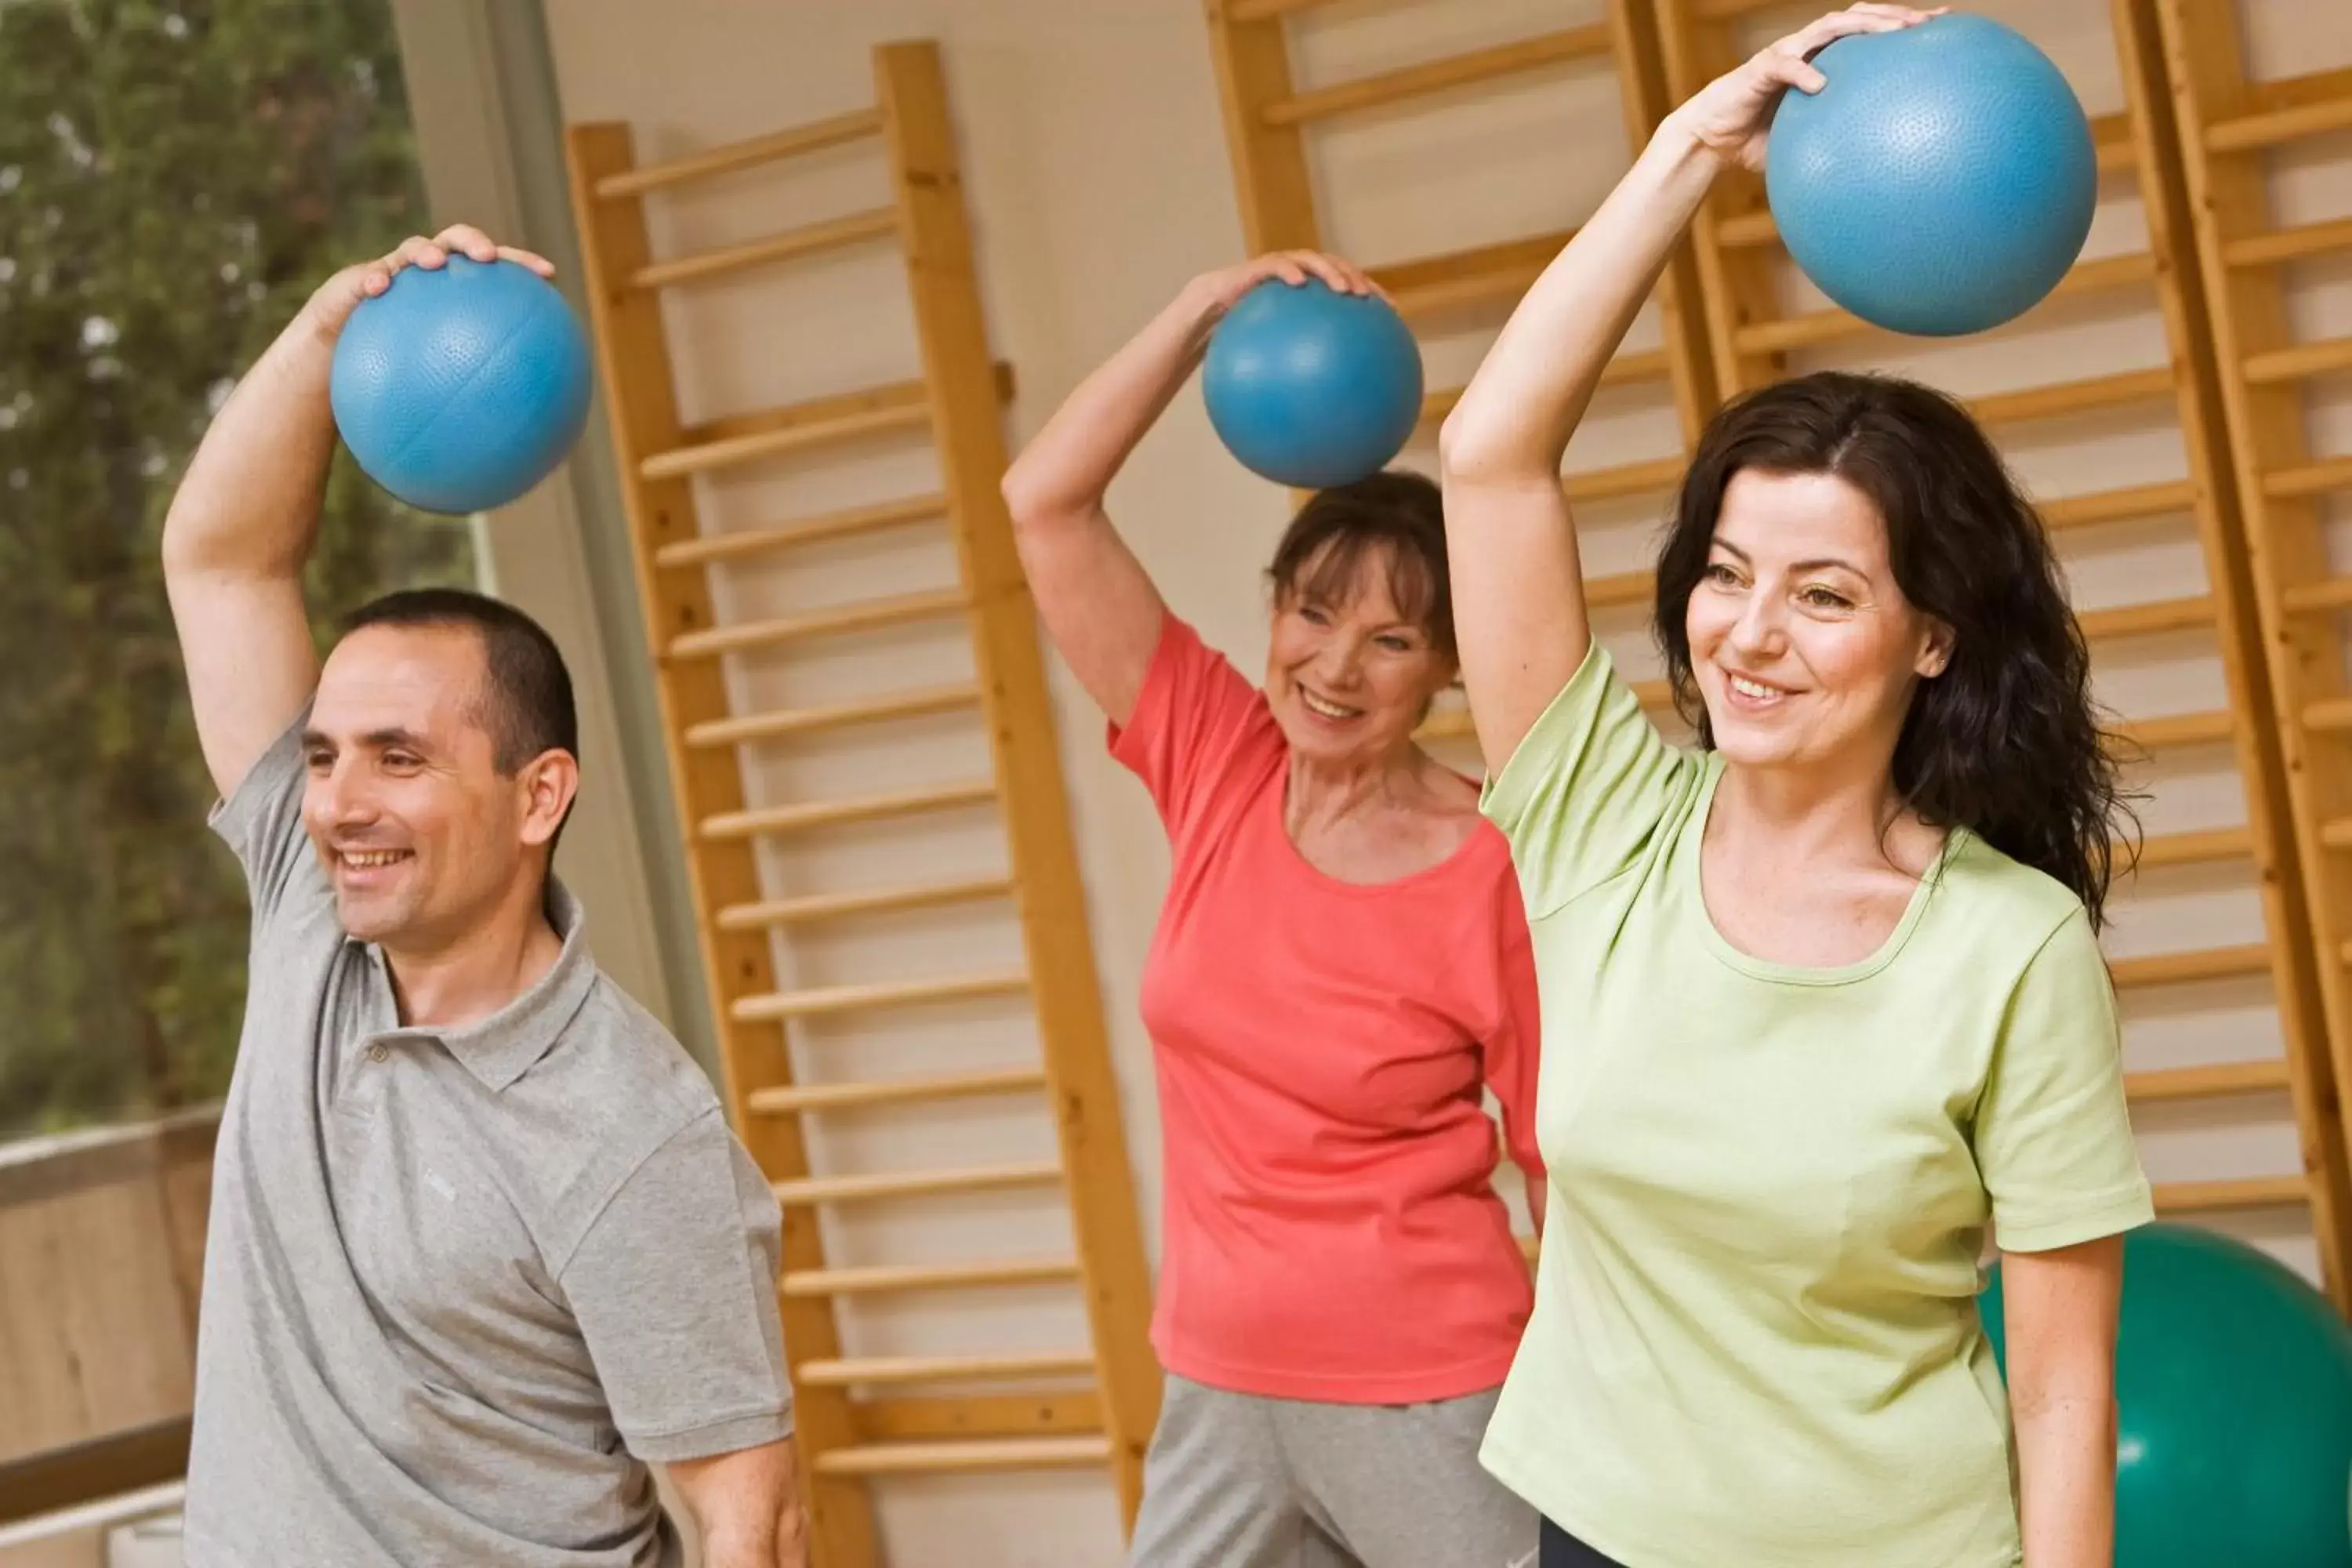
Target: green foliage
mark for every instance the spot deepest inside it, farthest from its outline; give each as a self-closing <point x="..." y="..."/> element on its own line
<point x="175" y="176"/>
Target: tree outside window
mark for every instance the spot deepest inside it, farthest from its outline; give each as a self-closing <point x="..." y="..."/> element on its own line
<point x="175" y="177"/>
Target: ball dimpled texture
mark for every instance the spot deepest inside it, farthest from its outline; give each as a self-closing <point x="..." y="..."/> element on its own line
<point x="1311" y="387"/>
<point x="1940" y="183"/>
<point x="460" y="387"/>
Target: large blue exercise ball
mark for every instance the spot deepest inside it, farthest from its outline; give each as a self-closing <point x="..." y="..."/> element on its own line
<point x="1941" y="182"/>
<point x="460" y="387"/>
<point x="1311" y="388"/>
<point x="2234" y="1389"/>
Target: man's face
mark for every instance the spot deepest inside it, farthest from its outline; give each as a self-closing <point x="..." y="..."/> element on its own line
<point x="420" y="833"/>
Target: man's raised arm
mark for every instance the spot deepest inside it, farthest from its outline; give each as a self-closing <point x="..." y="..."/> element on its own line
<point x="247" y="514"/>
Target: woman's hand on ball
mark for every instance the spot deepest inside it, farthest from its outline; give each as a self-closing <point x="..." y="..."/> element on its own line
<point x="336" y="298"/>
<point x="1731" y="115"/>
<point x="1225" y="286"/>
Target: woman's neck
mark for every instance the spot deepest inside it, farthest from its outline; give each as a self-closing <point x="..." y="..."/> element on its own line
<point x="1322" y="792"/>
<point x="1819" y="816"/>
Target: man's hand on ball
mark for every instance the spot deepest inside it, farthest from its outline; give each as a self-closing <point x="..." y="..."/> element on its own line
<point x="333" y="304"/>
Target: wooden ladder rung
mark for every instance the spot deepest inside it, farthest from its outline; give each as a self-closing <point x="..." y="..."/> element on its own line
<point x="735" y="451"/>
<point x="889" y="1277"/>
<point x="2310" y="598"/>
<point x="2301" y="362"/>
<point x="2187" y="968"/>
<point x="2309" y="479"/>
<point x="809" y="239"/>
<point x="1620" y="590"/>
<point x="2214" y="727"/>
<point x="1455" y="722"/>
<point x="814" y="906"/>
<point x="2198" y="848"/>
<point x="766" y="541"/>
<point x="2335" y="833"/>
<point x="2330" y="716"/>
<point x="2238" y="1193"/>
<point x="2127" y="504"/>
<point x="1828" y="326"/>
<point x="2098" y="391"/>
<point x="791" y="1098"/>
<point x="965" y="1455"/>
<point x="2269" y="128"/>
<point x="1460" y="279"/>
<point x="1588" y="42"/>
<point x="898" y="395"/>
<point x="812" y="1190"/>
<point x="834" y="620"/>
<point x="2288" y="243"/>
<point x="775" y="1007"/>
<point x="1647" y="364"/>
<point x="1447" y="724"/>
<point x="2151" y="619"/>
<point x="849" y="1371"/>
<point x="909" y="704"/>
<point x="734" y="155"/>
<point x="1625" y="479"/>
<point x="835" y="813"/>
<point x="2111" y="145"/>
<point x="1266" y="10"/>
<point x="2208" y="1079"/>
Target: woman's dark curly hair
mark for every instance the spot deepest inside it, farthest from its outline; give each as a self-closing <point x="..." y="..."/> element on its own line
<point x="2006" y="741"/>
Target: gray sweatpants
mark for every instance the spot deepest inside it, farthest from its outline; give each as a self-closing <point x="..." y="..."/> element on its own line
<point x="1233" y="1481"/>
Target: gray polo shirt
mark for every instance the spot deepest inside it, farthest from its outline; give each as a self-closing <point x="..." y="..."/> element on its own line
<point x="460" y="1285"/>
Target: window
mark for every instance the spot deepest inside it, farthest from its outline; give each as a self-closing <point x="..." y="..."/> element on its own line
<point x="175" y="177"/>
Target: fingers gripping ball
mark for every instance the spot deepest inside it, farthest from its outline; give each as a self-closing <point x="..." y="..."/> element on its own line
<point x="1940" y="183"/>
<point x="460" y="387"/>
<point x="1311" y="387"/>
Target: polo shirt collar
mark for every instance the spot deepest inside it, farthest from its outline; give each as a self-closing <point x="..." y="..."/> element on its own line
<point x="501" y="1048"/>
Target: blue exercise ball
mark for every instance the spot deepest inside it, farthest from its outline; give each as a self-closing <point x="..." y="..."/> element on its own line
<point x="2233" y="1393"/>
<point x="1311" y="387"/>
<point x="1941" y="182"/>
<point x="460" y="387"/>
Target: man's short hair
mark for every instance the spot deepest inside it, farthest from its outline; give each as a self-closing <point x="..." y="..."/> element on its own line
<point x="526" y="703"/>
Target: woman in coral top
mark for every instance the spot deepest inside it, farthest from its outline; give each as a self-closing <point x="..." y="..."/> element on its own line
<point x="1341" y="968"/>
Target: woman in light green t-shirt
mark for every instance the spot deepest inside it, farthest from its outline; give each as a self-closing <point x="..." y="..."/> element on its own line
<point x="1823" y="1000"/>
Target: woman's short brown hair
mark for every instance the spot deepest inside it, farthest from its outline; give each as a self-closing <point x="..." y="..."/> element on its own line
<point x="1395" y="515"/>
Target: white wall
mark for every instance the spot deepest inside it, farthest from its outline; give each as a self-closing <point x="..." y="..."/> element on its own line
<point x="1098" y="181"/>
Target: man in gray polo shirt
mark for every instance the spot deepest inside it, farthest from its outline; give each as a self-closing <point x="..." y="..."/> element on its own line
<point x="482" y="1244"/>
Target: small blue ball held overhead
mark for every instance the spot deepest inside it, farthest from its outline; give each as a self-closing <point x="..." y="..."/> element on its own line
<point x="1311" y="388"/>
<point x="458" y="388"/>
<point x="1942" y="184"/>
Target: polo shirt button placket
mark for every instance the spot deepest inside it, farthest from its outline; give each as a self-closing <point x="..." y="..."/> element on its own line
<point x="378" y="1051"/>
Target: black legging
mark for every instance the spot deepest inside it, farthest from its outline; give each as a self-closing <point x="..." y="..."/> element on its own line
<point x="1562" y="1550"/>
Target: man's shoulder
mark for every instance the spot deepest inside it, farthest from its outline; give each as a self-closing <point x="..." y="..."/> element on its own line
<point x="620" y="1085"/>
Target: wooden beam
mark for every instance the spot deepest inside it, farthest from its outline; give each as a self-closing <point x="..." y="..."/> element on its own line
<point x="121" y="1462"/>
<point x="2238" y="324"/>
<point x="1065" y="988"/>
<point x="1270" y="178"/>
<point x="641" y="404"/>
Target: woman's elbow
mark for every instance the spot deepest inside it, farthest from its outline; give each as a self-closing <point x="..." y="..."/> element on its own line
<point x="1474" y="446"/>
<point x="1026" y="500"/>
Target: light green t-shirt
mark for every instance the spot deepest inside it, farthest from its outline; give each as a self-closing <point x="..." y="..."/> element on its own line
<point x="1755" y="1338"/>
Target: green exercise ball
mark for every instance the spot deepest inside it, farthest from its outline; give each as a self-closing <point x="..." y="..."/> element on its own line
<point x="2233" y="1385"/>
